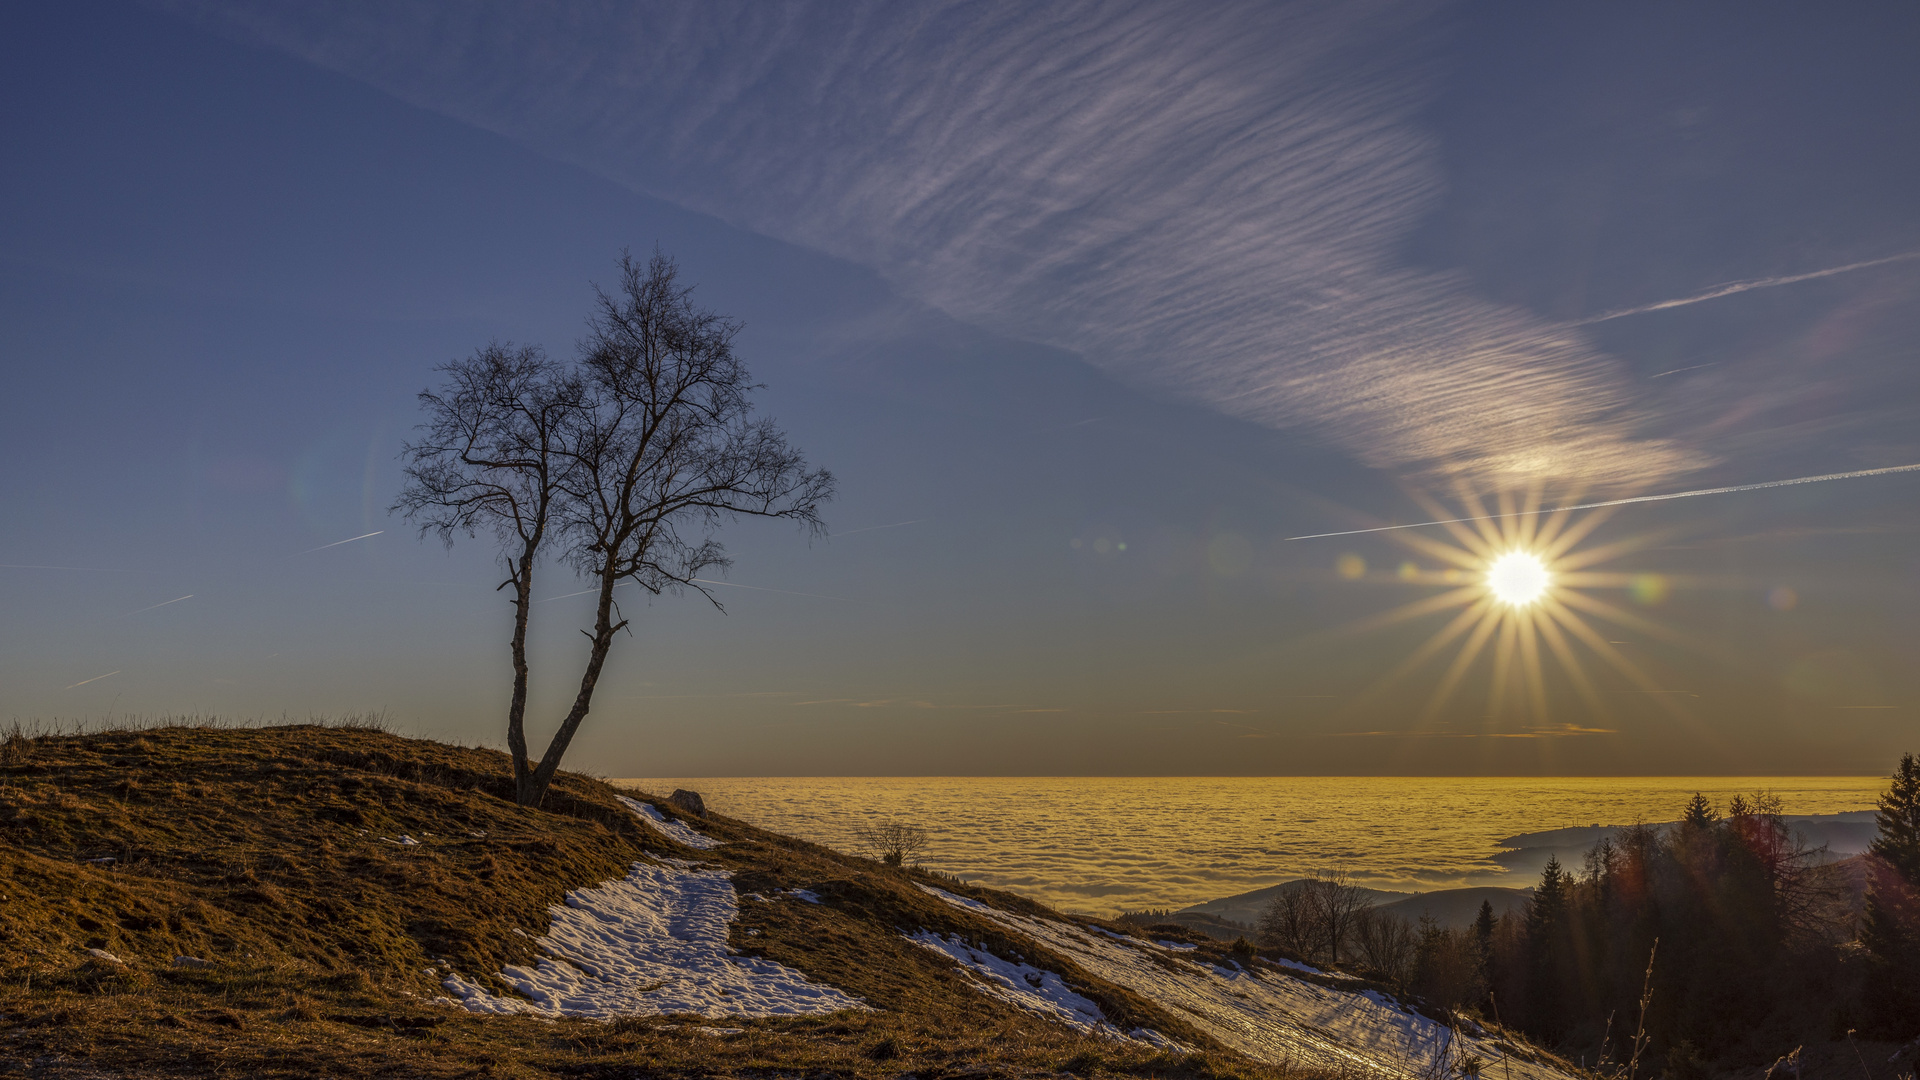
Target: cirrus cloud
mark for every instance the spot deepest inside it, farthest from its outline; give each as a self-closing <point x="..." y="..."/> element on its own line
<point x="1209" y="200"/>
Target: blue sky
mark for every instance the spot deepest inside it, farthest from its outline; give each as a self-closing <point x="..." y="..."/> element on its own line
<point x="1034" y="282"/>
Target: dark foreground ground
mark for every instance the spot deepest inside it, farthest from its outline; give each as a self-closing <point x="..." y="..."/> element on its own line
<point x="261" y="851"/>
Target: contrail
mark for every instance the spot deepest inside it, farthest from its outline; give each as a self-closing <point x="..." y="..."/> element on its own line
<point x="1678" y="370"/>
<point x="876" y="528"/>
<point x="582" y="592"/>
<point x="734" y="585"/>
<point x="337" y="543"/>
<point x="1733" y="287"/>
<point x="175" y="600"/>
<point x="96" y="678"/>
<point x="789" y="592"/>
<point x="36" y="566"/>
<point x="1624" y="502"/>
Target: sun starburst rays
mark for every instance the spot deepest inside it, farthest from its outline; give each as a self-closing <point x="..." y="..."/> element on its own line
<point x="1517" y="582"/>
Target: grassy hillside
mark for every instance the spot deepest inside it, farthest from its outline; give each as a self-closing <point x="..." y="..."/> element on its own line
<point x="276" y="859"/>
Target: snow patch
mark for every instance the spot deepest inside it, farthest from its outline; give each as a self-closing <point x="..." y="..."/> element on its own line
<point x="1033" y="989"/>
<point x="666" y="826"/>
<point x="1155" y="1039"/>
<point x="1269" y="1014"/>
<point x="651" y="944"/>
<point x="808" y="895"/>
<point x="961" y="901"/>
<point x="1177" y="946"/>
<point x="1021" y="985"/>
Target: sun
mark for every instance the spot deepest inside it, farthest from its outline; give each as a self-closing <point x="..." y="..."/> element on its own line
<point x="1521" y="583"/>
<point x="1518" y="578"/>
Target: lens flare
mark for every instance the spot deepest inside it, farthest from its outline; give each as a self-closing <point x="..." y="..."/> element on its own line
<point x="1518" y="578"/>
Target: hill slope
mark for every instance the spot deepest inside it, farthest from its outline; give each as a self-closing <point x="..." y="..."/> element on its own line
<point x="310" y="901"/>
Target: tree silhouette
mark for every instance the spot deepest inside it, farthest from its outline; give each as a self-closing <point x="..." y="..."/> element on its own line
<point x="892" y="842"/>
<point x="489" y="458"/>
<point x="1891" y="934"/>
<point x="629" y="459"/>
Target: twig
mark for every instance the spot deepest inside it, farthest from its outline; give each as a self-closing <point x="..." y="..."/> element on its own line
<point x="1606" y="1043"/>
<point x="1864" y="1071"/>
<point x="1640" y="1026"/>
<point x="1506" y="1058"/>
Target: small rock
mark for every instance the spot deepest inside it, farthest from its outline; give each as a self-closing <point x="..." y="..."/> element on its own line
<point x="191" y="962"/>
<point x="102" y="954"/>
<point x="689" y="801"/>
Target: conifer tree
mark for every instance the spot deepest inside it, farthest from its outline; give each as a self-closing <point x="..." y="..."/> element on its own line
<point x="1546" y="959"/>
<point x="1892" y="932"/>
<point x="1483" y="929"/>
<point x="1899" y="821"/>
<point x="1549" y="899"/>
<point x="1699" y="813"/>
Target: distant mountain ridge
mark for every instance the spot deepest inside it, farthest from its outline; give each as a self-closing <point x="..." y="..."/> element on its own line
<point x="1843" y="835"/>
<point x="1232" y="915"/>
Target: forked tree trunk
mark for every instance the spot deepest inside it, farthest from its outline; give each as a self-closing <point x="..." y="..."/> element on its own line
<point x="535" y="788"/>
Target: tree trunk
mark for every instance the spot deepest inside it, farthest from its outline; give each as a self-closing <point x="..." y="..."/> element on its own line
<point x="603" y="630"/>
<point x="517" y="711"/>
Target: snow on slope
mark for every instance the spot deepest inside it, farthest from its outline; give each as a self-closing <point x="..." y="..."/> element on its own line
<point x="652" y="943"/>
<point x="671" y="829"/>
<point x="1034" y="989"/>
<point x="1021" y="985"/>
<point x="1265" y="1014"/>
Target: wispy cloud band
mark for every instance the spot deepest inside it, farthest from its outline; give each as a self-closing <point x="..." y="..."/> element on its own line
<point x="1209" y="199"/>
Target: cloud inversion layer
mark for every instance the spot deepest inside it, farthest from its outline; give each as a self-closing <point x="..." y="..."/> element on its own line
<point x="1209" y="200"/>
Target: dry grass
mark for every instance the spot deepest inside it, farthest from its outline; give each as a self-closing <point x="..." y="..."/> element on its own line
<point x="264" y="851"/>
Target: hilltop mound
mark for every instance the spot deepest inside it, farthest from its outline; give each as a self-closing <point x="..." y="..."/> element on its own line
<point x="305" y="901"/>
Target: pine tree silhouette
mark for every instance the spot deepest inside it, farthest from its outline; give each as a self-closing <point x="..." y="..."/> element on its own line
<point x="1699" y="813"/>
<point x="1892" y="932"/>
<point x="1899" y="821"/>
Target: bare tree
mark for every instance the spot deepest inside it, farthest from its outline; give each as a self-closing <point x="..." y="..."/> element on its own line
<point x="1287" y="924"/>
<point x="630" y="460"/>
<point x="1335" y="901"/>
<point x="664" y="448"/>
<point x="1314" y="916"/>
<point x="489" y="458"/>
<point x="892" y="842"/>
<point x="1385" y="943"/>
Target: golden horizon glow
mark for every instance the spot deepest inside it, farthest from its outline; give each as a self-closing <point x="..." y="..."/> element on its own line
<point x="1518" y="578"/>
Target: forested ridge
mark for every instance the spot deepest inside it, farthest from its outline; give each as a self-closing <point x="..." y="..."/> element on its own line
<point x="1720" y="940"/>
